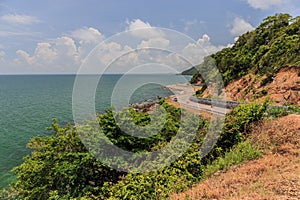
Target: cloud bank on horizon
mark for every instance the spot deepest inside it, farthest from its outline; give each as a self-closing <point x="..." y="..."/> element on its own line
<point x="25" y="46"/>
<point x="66" y="53"/>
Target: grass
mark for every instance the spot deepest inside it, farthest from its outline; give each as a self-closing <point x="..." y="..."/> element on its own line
<point x="276" y="112"/>
<point x="274" y="175"/>
<point x="294" y="109"/>
<point x="241" y="152"/>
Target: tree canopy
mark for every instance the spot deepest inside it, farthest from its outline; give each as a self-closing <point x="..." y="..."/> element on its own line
<point x="275" y="43"/>
<point x="61" y="167"/>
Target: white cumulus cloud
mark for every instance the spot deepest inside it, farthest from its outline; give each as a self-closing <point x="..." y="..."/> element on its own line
<point x="142" y="44"/>
<point x="19" y="19"/>
<point x="58" y="53"/>
<point x="195" y="52"/>
<point x="204" y="40"/>
<point x="154" y="42"/>
<point x="240" y="26"/>
<point x="64" y="53"/>
<point x="87" y="38"/>
<point x="143" y="29"/>
<point x="264" y="4"/>
<point x="88" y="35"/>
<point x="137" y="24"/>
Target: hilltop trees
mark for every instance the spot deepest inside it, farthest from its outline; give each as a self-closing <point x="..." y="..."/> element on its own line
<point x="273" y="44"/>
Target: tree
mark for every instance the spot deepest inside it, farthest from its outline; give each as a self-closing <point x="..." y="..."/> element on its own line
<point x="60" y="165"/>
<point x="273" y="44"/>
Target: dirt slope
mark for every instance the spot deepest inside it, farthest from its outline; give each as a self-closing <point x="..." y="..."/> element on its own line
<point x="284" y="88"/>
<point x="276" y="175"/>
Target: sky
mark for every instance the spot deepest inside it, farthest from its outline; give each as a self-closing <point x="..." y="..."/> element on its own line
<point x="57" y="36"/>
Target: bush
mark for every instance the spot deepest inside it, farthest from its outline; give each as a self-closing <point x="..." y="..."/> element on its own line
<point x="237" y="123"/>
<point x="239" y="153"/>
<point x="60" y="165"/>
<point x="277" y="112"/>
<point x="264" y="92"/>
<point x="294" y="109"/>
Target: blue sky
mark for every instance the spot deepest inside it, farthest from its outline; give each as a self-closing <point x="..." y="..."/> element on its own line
<point x="54" y="36"/>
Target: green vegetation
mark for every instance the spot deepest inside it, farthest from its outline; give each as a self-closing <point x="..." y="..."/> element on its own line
<point x="200" y="92"/>
<point x="275" y="43"/>
<point x="60" y="167"/>
<point x="195" y="78"/>
<point x="191" y="71"/>
<point x="239" y="153"/>
<point x="277" y="112"/>
<point x="294" y="109"/>
<point x="264" y="92"/>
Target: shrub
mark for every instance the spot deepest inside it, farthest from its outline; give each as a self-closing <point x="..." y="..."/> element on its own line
<point x="264" y="92"/>
<point x="237" y="123"/>
<point x="277" y="112"/>
<point x="294" y="109"/>
<point x="239" y="153"/>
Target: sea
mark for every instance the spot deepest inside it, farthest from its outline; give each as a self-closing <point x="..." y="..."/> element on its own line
<point x="29" y="102"/>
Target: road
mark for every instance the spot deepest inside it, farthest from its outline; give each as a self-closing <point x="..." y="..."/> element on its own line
<point x="183" y="92"/>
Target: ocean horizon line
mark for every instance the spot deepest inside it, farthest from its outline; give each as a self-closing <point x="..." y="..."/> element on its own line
<point x="89" y="74"/>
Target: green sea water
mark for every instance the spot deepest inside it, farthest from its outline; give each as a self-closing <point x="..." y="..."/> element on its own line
<point x="29" y="102"/>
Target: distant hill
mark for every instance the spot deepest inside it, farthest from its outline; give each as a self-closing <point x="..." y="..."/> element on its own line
<point x="274" y="44"/>
<point x="191" y="71"/>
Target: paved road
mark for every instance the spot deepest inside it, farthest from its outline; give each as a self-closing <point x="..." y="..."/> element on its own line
<point x="183" y="92"/>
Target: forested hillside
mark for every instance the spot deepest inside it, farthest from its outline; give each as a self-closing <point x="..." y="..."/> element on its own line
<point x="275" y="43"/>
